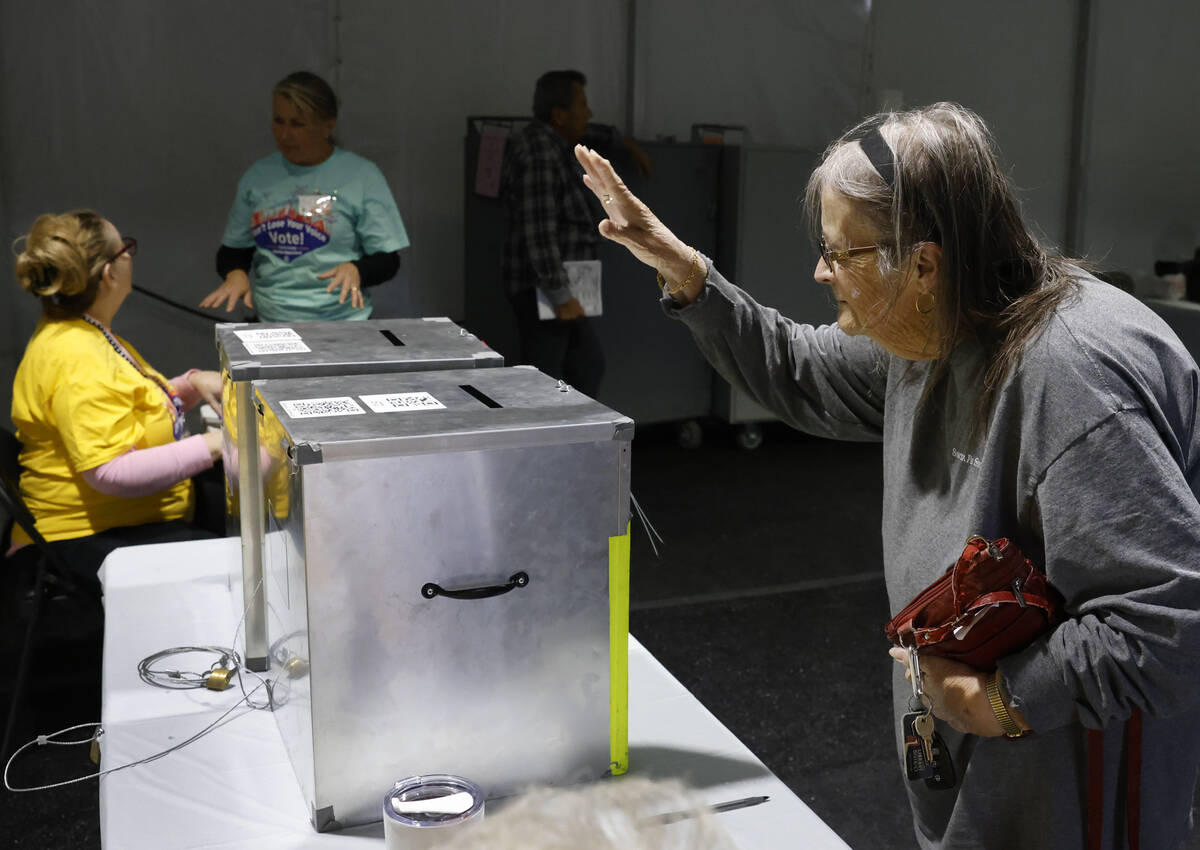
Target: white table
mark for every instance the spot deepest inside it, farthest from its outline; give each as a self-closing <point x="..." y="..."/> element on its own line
<point x="235" y="787"/>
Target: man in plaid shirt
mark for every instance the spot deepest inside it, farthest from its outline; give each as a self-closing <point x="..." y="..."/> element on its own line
<point x="552" y="218"/>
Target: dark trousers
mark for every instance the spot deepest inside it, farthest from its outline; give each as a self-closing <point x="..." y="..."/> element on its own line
<point x="569" y="350"/>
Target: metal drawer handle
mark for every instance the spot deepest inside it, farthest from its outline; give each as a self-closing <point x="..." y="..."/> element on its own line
<point x="429" y="590"/>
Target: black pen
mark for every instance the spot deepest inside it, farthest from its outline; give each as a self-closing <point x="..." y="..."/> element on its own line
<point x="743" y="803"/>
<point x="716" y="808"/>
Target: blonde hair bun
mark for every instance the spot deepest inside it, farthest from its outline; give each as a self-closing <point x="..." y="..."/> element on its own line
<point x="61" y="261"/>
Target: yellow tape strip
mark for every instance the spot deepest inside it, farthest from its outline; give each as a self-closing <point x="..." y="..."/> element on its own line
<point x="618" y="652"/>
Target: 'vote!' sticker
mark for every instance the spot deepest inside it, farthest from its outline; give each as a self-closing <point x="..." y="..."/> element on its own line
<point x="287" y="234"/>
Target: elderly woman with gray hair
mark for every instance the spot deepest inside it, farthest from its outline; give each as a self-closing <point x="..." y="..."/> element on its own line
<point x="1015" y="396"/>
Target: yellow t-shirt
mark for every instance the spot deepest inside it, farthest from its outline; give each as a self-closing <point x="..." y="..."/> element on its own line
<point x="78" y="404"/>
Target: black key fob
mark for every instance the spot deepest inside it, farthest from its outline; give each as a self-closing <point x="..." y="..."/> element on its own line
<point x="941" y="776"/>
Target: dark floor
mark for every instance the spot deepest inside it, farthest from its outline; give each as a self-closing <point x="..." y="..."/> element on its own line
<point x="65" y="690"/>
<point x="767" y="602"/>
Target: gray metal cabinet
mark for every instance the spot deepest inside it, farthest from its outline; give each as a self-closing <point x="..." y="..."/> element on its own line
<point x="654" y="372"/>
<point x="765" y="249"/>
<point x="742" y="206"/>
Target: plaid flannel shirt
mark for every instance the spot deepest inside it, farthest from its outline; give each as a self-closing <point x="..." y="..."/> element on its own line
<point x="552" y="216"/>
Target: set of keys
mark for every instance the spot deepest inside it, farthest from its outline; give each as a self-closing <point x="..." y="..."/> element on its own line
<point x="925" y="754"/>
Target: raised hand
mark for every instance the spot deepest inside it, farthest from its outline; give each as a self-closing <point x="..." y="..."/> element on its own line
<point x="631" y="223"/>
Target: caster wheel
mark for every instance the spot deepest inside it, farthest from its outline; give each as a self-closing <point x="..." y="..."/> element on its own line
<point x="689" y="435"/>
<point x="749" y="437"/>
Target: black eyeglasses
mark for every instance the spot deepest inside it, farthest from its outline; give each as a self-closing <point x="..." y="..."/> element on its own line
<point x="831" y="257"/>
<point x="130" y="248"/>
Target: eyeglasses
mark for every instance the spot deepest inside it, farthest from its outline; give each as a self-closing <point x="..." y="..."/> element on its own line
<point x="831" y="257"/>
<point x="130" y="248"/>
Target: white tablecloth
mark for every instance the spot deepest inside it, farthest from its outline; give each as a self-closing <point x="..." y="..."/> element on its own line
<point x="235" y="787"/>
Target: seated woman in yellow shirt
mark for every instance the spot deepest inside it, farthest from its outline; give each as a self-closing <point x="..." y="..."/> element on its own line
<point x="104" y="459"/>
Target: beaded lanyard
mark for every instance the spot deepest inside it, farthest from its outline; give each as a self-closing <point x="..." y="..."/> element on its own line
<point x="173" y="397"/>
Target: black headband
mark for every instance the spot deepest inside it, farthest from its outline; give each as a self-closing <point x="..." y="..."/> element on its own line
<point x="880" y="153"/>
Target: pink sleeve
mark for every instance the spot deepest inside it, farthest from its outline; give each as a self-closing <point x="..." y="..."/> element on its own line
<point x="140" y="472"/>
<point x="188" y="394"/>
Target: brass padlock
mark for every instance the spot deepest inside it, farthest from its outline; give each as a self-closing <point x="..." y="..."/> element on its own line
<point x="219" y="679"/>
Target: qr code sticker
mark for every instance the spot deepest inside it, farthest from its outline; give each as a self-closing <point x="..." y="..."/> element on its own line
<point x="309" y="408"/>
<point x="287" y="346"/>
<point x="393" y="402"/>
<point x="266" y="334"/>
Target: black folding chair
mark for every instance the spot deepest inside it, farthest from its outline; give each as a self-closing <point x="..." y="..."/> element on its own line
<point x="51" y="576"/>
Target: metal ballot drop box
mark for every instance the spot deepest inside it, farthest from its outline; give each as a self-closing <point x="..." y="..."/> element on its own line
<point x="447" y="567"/>
<point x="248" y="351"/>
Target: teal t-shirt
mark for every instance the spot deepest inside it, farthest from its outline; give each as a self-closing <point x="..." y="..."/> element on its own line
<point x="305" y="220"/>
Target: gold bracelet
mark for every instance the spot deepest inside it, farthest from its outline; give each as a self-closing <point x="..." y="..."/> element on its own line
<point x="687" y="281"/>
<point x="1010" y="727"/>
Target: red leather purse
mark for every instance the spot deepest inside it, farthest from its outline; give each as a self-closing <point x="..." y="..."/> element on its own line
<point x="991" y="602"/>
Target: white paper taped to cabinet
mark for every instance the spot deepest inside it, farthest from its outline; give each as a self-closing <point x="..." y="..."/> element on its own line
<point x="266" y="335"/>
<point x="399" y="402"/>
<point x="310" y="408"/>
<point x="283" y="346"/>
<point x="272" y="341"/>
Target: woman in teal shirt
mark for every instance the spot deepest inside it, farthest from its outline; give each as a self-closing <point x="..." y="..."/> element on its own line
<point x="313" y="224"/>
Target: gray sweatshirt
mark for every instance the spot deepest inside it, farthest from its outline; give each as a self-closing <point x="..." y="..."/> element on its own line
<point x="1091" y="463"/>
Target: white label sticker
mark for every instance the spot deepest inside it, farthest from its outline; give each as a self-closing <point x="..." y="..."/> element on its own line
<point x="264" y="334"/>
<point x="309" y="408"/>
<point x="392" y="402"/>
<point x="287" y="346"/>
<point x="315" y="206"/>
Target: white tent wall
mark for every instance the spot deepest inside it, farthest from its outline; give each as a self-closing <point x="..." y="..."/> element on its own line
<point x="1010" y="62"/>
<point x="147" y="112"/>
<point x="789" y="70"/>
<point x="409" y="77"/>
<point x="150" y="111"/>
<point x="1142" y="186"/>
<point x="1014" y="63"/>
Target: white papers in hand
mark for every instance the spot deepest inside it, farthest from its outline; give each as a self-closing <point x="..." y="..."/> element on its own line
<point x="583" y="279"/>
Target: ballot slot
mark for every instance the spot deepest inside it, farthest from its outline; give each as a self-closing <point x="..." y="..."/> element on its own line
<point x="391" y="337"/>
<point x="480" y="396"/>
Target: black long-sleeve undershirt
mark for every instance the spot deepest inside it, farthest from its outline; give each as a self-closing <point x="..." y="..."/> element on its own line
<point x="373" y="269"/>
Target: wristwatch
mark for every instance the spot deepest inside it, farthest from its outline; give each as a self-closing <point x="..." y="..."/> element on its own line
<point x="1000" y="709"/>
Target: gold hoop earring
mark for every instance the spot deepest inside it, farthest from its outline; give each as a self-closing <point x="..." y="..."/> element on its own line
<point x="929" y="304"/>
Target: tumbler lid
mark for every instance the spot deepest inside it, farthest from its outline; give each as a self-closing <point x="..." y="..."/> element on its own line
<point x="433" y="800"/>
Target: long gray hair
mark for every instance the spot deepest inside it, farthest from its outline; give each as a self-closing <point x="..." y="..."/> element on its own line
<point x="999" y="284"/>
